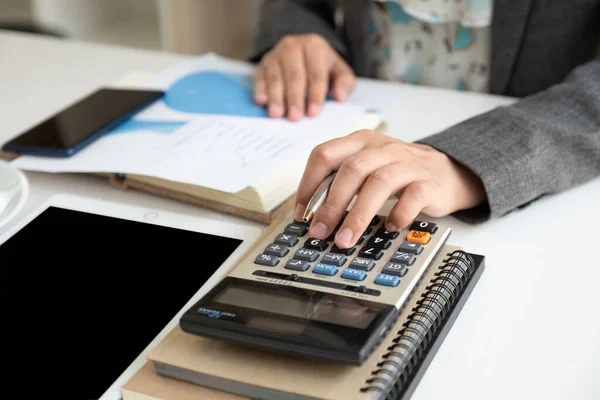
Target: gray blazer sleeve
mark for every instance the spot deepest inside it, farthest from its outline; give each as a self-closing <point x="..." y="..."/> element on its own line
<point x="542" y="144"/>
<point x="279" y="18"/>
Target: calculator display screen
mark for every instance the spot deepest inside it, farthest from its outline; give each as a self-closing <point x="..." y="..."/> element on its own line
<point x="290" y="319"/>
<point x="309" y="305"/>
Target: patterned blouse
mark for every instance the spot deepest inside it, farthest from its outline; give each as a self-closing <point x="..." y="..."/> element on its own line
<point x="442" y="43"/>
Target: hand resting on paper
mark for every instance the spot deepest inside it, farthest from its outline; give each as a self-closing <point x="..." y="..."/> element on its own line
<point x="295" y="77"/>
<point x="377" y="167"/>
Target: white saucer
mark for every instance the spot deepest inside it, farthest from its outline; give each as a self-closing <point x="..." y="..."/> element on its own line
<point x="14" y="189"/>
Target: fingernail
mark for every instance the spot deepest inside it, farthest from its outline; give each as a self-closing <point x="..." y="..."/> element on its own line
<point x="344" y="237"/>
<point x="261" y="98"/>
<point x="299" y="212"/>
<point x="275" y="110"/>
<point x="319" y="230"/>
<point x="313" y="109"/>
<point x="295" y="113"/>
<point x="390" y="227"/>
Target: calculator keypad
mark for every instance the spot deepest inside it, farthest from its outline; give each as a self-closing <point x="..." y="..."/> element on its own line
<point x="317" y="244"/>
<point x="418" y="237"/>
<point x="371" y="252"/>
<point x="411" y="247"/>
<point x="297" y="265"/>
<point x="379" y="263"/>
<point x="306" y="255"/>
<point x="325" y="269"/>
<point x="334" y="259"/>
<point x="277" y="250"/>
<point x="286" y="239"/>
<point x="267" y="260"/>
<point x="362" y="263"/>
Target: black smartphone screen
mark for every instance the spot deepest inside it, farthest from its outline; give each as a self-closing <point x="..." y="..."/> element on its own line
<point x="82" y="121"/>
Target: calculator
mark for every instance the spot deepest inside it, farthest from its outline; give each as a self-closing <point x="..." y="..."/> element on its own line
<point x="305" y="297"/>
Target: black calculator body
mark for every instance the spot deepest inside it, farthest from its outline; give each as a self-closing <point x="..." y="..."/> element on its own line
<point x="304" y="297"/>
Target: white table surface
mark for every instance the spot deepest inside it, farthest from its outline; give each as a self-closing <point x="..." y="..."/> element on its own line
<point x="531" y="328"/>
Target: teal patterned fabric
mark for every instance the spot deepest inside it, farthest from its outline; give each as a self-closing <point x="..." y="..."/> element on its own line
<point x="442" y="43"/>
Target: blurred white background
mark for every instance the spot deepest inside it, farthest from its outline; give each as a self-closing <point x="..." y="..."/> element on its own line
<point x="182" y="26"/>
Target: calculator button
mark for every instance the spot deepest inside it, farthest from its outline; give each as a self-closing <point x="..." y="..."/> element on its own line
<point x="387" y="280"/>
<point x="371" y="252"/>
<point x="390" y="235"/>
<point x="265" y="259"/>
<point x="367" y="231"/>
<point x="334" y="259"/>
<point x="306" y="255"/>
<point x="354" y="274"/>
<point x="317" y="244"/>
<point x="395" y="269"/>
<point x="423" y="226"/>
<point x="346" y="252"/>
<point x="296" y="229"/>
<point x="277" y="250"/>
<point x="360" y="241"/>
<point x="331" y="236"/>
<point x="325" y="269"/>
<point x="375" y="220"/>
<point x="363" y="263"/>
<point x="297" y="265"/>
<point x="379" y="241"/>
<point x="286" y="239"/>
<point x="418" y="237"/>
<point x="403" y="258"/>
<point x="411" y="247"/>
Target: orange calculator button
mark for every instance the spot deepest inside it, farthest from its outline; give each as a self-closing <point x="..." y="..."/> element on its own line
<point x="418" y="237"/>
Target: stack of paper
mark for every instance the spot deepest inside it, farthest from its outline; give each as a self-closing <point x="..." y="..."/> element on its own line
<point x="208" y="138"/>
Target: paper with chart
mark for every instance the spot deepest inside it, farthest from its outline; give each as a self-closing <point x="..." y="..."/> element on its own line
<point x="206" y="131"/>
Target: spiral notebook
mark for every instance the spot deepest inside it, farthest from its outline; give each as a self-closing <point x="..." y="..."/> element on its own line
<point x="392" y="372"/>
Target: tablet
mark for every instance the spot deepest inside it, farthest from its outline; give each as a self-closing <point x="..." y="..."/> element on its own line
<point x="88" y="287"/>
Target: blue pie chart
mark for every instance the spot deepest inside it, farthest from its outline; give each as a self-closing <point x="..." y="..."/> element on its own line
<point x="214" y="92"/>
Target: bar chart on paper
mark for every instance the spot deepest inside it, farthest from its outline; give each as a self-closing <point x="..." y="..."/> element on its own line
<point x="238" y="145"/>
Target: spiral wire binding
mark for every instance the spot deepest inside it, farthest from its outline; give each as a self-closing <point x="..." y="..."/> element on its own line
<point x="413" y="339"/>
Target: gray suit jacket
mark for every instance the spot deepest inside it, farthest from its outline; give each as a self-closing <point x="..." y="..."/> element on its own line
<point x="545" y="52"/>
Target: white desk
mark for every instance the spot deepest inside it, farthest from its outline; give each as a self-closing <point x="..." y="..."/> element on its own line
<point x="531" y="328"/>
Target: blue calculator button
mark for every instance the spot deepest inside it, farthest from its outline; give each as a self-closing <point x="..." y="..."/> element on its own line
<point x="387" y="280"/>
<point x="325" y="269"/>
<point x="354" y="274"/>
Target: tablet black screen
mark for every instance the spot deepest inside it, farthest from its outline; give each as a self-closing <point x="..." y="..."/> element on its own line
<point x="81" y="295"/>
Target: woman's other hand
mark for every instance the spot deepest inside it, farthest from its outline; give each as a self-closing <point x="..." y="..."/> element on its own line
<point x="295" y="77"/>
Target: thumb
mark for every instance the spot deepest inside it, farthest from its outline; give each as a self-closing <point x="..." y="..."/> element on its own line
<point x="342" y="80"/>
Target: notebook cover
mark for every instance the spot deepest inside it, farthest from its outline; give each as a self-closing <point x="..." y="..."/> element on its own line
<point x="145" y="384"/>
<point x="248" y="371"/>
<point x="266" y="218"/>
<point x="122" y="183"/>
<point x="443" y="331"/>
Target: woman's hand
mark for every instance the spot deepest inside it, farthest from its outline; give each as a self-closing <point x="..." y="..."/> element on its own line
<point x="295" y="76"/>
<point x="376" y="167"/>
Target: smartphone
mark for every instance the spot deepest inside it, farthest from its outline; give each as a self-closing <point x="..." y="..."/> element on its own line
<point x="82" y="122"/>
